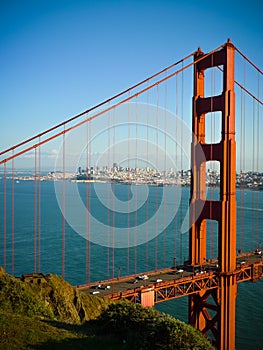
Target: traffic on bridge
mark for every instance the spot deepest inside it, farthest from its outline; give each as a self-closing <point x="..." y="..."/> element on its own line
<point x="171" y="283"/>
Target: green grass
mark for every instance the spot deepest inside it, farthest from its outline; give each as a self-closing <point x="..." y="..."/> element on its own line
<point x="23" y="332"/>
<point x="17" y="297"/>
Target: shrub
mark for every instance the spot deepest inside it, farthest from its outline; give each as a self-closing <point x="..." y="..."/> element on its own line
<point x="146" y="328"/>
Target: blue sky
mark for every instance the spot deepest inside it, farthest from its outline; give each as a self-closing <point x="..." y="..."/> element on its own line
<point x="61" y="57"/>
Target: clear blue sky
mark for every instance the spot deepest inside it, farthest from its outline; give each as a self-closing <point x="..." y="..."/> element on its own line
<point x="60" y="57"/>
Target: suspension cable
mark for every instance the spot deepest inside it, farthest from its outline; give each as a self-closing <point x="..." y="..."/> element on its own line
<point x="13" y="219"/>
<point x="105" y="102"/>
<point x="157" y="169"/>
<point x="129" y="191"/>
<point x="108" y="198"/>
<point x="181" y="161"/>
<point x="99" y="113"/>
<point x="39" y="206"/>
<point x="63" y="204"/>
<point x="113" y="194"/>
<point x="5" y="216"/>
<point x="248" y="60"/>
<point x="35" y="211"/>
<point x="244" y="88"/>
<point x="165" y="176"/>
<point x="88" y="202"/>
<point x="147" y="200"/>
<point x="257" y="164"/>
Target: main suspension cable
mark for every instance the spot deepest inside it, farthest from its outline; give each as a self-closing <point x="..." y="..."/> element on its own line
<point x="99" y="113"/>
<point x="105" y="102"/>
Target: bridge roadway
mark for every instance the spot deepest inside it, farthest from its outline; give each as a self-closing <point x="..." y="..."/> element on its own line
<point x="171" y="283"/>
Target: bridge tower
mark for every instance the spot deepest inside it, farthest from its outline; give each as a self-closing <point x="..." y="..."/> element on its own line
<point x="213" y="312"/>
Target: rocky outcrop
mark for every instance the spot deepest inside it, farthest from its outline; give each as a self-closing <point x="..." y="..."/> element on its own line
<point x="49" y="296"/>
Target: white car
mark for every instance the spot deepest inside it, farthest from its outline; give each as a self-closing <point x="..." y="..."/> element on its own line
<point x="159" y="280"/>
<point x="143" y="277"/>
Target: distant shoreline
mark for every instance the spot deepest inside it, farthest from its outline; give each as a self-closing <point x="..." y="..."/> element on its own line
<point x="17" y="179"/>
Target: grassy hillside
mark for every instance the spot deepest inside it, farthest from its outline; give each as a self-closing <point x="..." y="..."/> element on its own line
<point x="53" y="298"/>
<point x="54" y="315"/>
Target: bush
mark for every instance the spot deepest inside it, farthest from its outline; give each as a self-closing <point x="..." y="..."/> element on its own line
<point x="146" y="328"/>
<point x="17" y="297"/>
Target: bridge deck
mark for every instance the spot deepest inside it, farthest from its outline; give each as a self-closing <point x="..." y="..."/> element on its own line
<point x="172" y="283"/>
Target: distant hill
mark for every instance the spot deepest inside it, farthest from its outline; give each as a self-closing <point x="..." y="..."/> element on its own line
<point x="51" y="314"/>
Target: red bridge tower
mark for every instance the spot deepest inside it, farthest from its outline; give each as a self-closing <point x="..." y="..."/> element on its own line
<point x="213" y="311"/>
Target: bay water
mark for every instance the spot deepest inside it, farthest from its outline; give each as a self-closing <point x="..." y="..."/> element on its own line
<point x="159" y="249"/>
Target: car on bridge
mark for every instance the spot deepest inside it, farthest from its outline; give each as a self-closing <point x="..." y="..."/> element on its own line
<point x="143" y="277"/>
<point x="95" y="292"/>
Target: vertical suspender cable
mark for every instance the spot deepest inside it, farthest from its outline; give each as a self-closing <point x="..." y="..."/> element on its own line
<point x="257" y="160"/>
<point x="181" y="162"/>
<point x="164" y="176"/>
<point x="39" y="205"/>
<point x="136" y="188"/>
<point x="147" y="200"/>
<point x="13" y="218"/>
<point x="244" y="147"/>
<point x="5" y="215"/>
<point x="129" y="193"/>
<point x="108" y="204"/>
<point x="156" y="189"/>
<point x="88" y="141"/>
<point x="253" y="175"/>
<point x="63" y="203"/>
<point x="35" y="211"/>
<point x="176" y="162"/>
<point x="241" y="237"/>
<point x="113" y="198"/>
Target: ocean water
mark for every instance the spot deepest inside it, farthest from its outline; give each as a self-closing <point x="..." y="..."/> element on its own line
<point x="157" y="205"/>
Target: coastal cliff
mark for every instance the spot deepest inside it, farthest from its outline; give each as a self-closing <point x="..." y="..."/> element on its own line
<point x="51" y="314"/>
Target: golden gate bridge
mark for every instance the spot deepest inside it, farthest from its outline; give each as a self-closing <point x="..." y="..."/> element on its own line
<point x="158" y="137"/>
